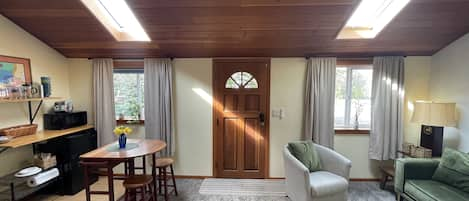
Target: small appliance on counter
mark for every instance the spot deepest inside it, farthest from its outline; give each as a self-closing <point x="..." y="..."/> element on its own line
<point x="64" y="120"/>
<point x="63" y="106"/>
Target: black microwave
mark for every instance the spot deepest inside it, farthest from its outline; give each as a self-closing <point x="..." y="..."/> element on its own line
<point x="64" y="120"/>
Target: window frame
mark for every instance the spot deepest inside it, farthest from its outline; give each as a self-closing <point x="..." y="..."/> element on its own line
<point x="128" y="65"/>
<point x="350" y="65"/>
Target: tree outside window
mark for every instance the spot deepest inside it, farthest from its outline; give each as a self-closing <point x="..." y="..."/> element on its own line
<point x="353" y="97"/>
<point x="128" y="94"/>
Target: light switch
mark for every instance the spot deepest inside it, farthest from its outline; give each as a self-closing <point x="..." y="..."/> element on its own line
<point x="278" y="113"/>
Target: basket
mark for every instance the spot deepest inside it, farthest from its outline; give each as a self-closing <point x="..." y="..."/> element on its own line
<point x="45" y="163"/>
<point x="422" y="152"/>
<point x="407" y="147"/>
<point x="21" y="130"/>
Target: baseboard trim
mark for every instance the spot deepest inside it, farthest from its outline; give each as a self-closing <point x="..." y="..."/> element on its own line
<point x="275" y="178"/>
<point x="192" y="177"/>
<point x="205" y="177"/>
<point x="364" y="179"/>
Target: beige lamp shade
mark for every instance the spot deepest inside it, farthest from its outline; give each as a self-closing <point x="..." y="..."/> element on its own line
<point x="435" y="114"/>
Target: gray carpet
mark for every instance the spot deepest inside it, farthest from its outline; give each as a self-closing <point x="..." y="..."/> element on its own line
<point x="359" y="191"/>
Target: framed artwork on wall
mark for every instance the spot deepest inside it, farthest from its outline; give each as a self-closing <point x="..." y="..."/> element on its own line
<point x="14" y="71"/>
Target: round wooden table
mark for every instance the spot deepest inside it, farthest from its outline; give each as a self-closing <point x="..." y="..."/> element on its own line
<point x="108" y="157"/>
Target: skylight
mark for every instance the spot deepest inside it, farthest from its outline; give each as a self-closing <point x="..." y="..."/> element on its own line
<point x="118" y="19"/>
<point x="370" y="18"/>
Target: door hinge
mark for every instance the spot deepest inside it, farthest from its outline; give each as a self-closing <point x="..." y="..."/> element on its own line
<point x="218" y="123"/>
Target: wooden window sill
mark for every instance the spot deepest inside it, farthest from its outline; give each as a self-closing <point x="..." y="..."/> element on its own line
<point x="130" y="122"/>
<point x="352" y="131"/>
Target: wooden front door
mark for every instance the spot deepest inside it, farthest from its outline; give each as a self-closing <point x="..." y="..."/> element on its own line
<point x="241" y="118"/>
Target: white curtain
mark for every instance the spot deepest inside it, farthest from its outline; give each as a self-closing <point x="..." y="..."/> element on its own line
<point x="319" y="101"/>
<point x="159" y="103"/>
<point x="387" y="103"/>
<point x="103" y="104"/>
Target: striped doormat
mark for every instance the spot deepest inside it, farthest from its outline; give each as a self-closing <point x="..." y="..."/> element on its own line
<point x="243" y="187"/>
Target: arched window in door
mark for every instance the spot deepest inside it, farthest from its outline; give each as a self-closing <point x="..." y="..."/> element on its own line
<point x="241" y="80"/>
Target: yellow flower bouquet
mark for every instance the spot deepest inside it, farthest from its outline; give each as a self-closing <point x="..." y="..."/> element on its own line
<point x="119" y="130"/>
<point x="122" y="132"/>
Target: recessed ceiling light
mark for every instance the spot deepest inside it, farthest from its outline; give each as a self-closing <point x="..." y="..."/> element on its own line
<point x="370" y="18"/>
<point x="118" y="19"/>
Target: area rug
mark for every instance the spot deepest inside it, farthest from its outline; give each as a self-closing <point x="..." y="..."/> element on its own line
<point x="243" y="187"/>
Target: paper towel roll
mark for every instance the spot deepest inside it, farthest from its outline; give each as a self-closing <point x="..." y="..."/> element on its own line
<point x="43" y="177"/>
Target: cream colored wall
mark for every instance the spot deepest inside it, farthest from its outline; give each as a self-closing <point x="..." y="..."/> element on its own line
<point x="193" y="113"/>
<point x="417" y="77"/>
<point x="450" y="83"/>
<point x="81" y="86"/>
<point x="193" y="116"/>
<point x="287" y="93"/>
<point x="45" y="61"/>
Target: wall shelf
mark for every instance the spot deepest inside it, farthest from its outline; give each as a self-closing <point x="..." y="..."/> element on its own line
<point x="42" y="136"/>
<point x="29" y="101"/>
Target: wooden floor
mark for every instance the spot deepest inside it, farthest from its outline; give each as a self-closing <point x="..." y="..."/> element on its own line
<point x="100" y="185"/>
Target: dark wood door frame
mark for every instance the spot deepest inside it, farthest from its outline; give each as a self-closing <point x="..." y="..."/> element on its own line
<point x="267" y="112"/>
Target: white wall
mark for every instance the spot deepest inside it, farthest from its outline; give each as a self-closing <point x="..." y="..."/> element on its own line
<point x="193" y="113"/>
<point x="450" y="83"/>
<point x="45" y="61"/>
<point x="192" y="94"/>
<point x="417" y="77"/>
<point x="81" y="85"/>
<point x="287" y="93"/>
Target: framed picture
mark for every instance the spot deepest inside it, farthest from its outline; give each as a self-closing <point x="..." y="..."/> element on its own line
<point x="14" y="71"/>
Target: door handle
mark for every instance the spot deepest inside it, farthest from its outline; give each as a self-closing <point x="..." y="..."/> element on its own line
<point x="262" y="118"/>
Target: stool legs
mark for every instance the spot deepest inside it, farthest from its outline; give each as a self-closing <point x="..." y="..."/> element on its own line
<point x="143" y="193"/>
<point x="163" y="181"/>
<point x="174" y="180"/>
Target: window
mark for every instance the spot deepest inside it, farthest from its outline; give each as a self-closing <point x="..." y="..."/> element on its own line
<point x="352" y="97"/>
<point x="241" y="80"/>
<point x="128" y="94"/>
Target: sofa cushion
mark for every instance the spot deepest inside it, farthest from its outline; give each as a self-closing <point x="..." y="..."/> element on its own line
<point x="429" y="190"/>
<point x="453" y="169"/>
<point x="306" y="153"/>
<point x="325" y="183"/>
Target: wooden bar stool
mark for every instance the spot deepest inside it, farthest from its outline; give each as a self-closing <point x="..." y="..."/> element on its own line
<point x="162" y="164"/>
<point x="87" y="166"/>
<point x="142" y="168"/>
<point x="139" y="182"/>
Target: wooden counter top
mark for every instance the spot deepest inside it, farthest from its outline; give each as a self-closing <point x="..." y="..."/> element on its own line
<point x="42" y="136"/>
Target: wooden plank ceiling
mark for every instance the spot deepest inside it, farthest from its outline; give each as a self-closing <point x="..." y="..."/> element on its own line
<point x="239" y="28"/>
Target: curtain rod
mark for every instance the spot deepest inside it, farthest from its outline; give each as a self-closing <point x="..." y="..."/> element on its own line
<point x="131" y="59"/>
<point x="350" y="56"/>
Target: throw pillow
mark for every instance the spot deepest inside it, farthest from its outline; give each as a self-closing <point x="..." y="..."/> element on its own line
<point x="453" y="169"/>
<point x="306" y="153"/>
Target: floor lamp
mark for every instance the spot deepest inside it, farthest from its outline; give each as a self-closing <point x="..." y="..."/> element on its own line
<point x="434" y="117"/>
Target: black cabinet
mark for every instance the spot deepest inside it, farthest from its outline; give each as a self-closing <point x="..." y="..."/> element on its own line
<point x="68" y="150"/>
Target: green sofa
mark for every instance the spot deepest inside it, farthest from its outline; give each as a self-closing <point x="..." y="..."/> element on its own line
<point x="413" y="181"/>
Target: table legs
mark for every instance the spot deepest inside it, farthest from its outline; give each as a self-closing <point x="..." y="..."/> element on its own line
<point x="110" y="180"/>
<point x="86" y="183"/>
<point x="153" y="173"/>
